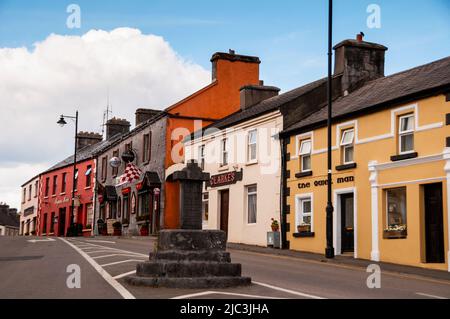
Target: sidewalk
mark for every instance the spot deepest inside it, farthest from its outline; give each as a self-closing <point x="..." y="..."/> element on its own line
<point x="346" y="260"/>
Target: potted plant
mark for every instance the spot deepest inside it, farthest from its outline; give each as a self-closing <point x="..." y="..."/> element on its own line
<point x="395" y="231"/>
<point x="117" y="228"/>
<point x="144" y="229"/>
<point x="304" y="228"/>
<point x="275" y="226"/>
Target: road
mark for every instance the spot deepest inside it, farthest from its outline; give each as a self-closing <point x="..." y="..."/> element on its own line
<point x="40" y="270"/>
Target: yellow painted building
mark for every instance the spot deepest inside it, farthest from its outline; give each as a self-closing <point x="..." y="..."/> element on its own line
<point x="391" y="172"/>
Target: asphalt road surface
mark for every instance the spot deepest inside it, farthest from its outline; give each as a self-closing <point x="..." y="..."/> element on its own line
<point x="44" y="268"/>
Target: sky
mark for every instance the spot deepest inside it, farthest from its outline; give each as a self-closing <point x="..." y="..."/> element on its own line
<point x="153" y="53"/>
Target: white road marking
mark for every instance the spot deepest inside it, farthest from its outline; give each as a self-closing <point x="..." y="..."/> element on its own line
<point x="112" y="255"/>
<point x="119" y="250"/>
<point x="125" y="274"/>
<point x="101" y="241"/>
<point x="205" y="293"/>
<point x="121" y="262"/>
<point x="40" y="240"/>
<point x="102" y="251"/>
<point x="108" y="278"/>
<point x="431" y="296"/>
<point x="288" y="291"/>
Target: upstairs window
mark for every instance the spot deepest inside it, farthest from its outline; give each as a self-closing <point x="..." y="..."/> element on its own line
<point x="201" y="156"/>
<point x="406" y="134"/>
<point x="76" y="179"/>
<point x="47" y="187"/>
<point x="24" y="195"/>
<point x="88" y="175"/>
<point x="115" y="170"/>
<point x="347" y="146"/>
<point x="104" y="168"/>
<point x="36" y="186"/>
<point x="63" y="182"/>
<point x="30" y="189"/>
<point x="55" y="182"/>
<point x="146" y="148"/>
<point x="224" y="152"/>
<point x="305" y="155"/>
<point x="251" y="146"/>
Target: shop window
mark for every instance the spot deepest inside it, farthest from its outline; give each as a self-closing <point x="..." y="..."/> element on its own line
<point x="119" y="208"/>
<point x="305" y="155"/>
<point x="251" y="145"/>
<point x="88" y="175"/>
<point x="63" y="182"/>
<point x="347" y="146"/>
<point x="224" y="152"/>
<point x="144" y="205"/>
<point x="126" y="209"/>
<point x="395" y="212"/>
<point x="251" y="204"/>
<point x="201" y="156"/>
<point x="205" y="208"/>
<point x="304" y="214"/>
<point x="406" y="134"/>
<point x="89" y="214"/>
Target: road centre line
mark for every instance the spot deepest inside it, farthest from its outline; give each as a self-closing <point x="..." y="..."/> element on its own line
<point x="121" y="262"/>
<point x="108" y="278"/>
<point x="125" y="274"/>
<point x="205" y="293"/>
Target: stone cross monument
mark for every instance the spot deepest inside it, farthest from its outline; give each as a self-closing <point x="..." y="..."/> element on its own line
<point x="190" y="257"/>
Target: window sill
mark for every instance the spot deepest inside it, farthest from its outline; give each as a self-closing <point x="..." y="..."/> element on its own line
<point x="251" y="163"/>
<point x="394" y="234"/>
<point x="401" y="157"/>
<point x="54" y="195"/>
<point x="303" y="174"/>
<point x="303" y="234"/>
<point x="345" y="166"/>
<point x="87" y="187"/>
<point x="62" y="193"/>
<point x="223" y="168"/>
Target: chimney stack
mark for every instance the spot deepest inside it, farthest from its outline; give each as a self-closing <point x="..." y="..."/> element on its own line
<point x="253" y="94"/>
<point x="116" y="126"/>
<point x="358" y="62"/>
<point x="231" y="56"/>
<point x="87" y="138"/>
<point x="143" y="115"/>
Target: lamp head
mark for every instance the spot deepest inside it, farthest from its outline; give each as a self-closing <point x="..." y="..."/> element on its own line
<point x="62" y="121"/>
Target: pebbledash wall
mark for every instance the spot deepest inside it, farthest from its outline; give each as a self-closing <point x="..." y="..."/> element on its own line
<point x="389" y="205"/>
<point x="243" y="180"/>
<point x="29" y="207"/>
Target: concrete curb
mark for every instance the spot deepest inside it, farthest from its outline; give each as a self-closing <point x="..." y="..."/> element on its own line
<point x="346" y="260"/>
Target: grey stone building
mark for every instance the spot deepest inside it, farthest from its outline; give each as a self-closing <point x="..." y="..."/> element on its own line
<point x="9" y="221"/>
<point x="137" y="204"/>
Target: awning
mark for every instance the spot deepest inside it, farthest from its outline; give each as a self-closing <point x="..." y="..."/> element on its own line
<point x="131" y="174"/>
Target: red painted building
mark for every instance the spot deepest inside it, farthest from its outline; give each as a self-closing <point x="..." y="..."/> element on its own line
<point x="54" y="203"/>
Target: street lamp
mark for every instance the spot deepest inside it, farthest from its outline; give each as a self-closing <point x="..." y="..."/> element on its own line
<point x="63" y="122"/>
<point x="329" y="250"/>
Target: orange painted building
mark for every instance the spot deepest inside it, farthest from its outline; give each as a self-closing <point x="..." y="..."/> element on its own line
<point x="219" y="99"/>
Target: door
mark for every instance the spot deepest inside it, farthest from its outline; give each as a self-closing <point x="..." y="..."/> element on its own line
<point x="347" y="231"/>
<point x="61" y="222"/>
<point x="224" y="205"/>
<point x="434" y="224"/>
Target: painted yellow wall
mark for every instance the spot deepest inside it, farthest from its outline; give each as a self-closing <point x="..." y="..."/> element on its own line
<point x="428" y="141"/>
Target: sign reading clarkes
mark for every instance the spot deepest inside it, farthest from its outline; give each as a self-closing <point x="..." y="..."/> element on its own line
<point x="224" y="179"/>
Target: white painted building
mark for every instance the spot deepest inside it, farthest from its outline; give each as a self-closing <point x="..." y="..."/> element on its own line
<point x="242" y="154"/>
<point x="29" y="207"/>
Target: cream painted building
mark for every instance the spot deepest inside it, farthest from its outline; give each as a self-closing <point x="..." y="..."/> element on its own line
<point x="29" y="207"/>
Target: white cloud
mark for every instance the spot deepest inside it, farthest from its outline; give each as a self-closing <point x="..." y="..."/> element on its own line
<point x="67" y="73"/>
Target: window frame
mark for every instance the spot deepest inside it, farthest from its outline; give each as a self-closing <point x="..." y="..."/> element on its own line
<point x="88" y="174"/>
<point x="345" y="146"/>
<point x="104" y="168"/>
<point x="47" y="187"/>
<point x="224" y="152"/>
<point x="250" y="144"/>
<point x="402" y="133"/>
<point x="201" y="156"/>
<point x="205" y="208"/>
<point x="387" y="190"/>
<point x="299" y="212"/>
<point x="248" y="194"/>
<point x="115" y="170"/>
<point x="146" y="147"/>
<point x="303" y="155"/>
<point x="30" y="190"/>
<point x="63" y="182"/>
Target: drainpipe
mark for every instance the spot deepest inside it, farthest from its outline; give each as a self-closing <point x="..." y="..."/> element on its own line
<point x="94" y="205"/>
<point x="283" y="183"/>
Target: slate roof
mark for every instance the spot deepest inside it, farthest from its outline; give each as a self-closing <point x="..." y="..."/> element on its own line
<point x="397" y="88"/>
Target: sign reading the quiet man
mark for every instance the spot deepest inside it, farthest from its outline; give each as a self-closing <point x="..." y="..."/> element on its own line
<point x="324" y="182"/>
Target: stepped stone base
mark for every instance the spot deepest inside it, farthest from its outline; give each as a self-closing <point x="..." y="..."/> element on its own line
<point x="189" y="259"/>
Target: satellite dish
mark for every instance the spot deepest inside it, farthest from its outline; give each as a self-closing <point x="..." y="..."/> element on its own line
<point x="115" y="162"/>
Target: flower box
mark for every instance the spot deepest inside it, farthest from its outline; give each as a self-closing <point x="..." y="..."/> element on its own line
<point x="394" y="234"/>
<point x="87" y="232"/>
<point x="304" y="228"/>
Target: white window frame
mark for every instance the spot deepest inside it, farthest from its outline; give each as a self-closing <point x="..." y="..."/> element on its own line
<point x="404" y="133"/>
<point x="346" y="145"/>
<point x="299" y="199"/>
<point x="302" y="155"/>
<point x="224" y="152"/>
<point x="201" y="156"/>
<point x="247" y="194"/>
<point x="205" y="199"/>
<point x="249" y="144"/>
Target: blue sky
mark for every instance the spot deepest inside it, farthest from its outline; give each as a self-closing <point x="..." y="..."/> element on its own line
<point x="288" y="36"/>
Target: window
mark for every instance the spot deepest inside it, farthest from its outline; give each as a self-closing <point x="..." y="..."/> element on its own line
<point x="251" y="146"/>
<point x="52" y="223"/>
<point x="119" y="207"/>
<point x="64" y="183"/>
<point x="205" y="207"/>
<point x="201" y="156"/>
<point x="347" y="139"/>
<point x="115" y="170"/>
<point x="304" y="214"/>
<point x="55" y="184"/>
<point x="251" y="204"/>
<point x="146" y="149"/>
<point x="88" y="175"/>
<point x="36" y="186"/>
<point x="76" y="179"/>
<point x="47" y="186"/>
<point x="126" y="210"/>
<point x="44" y="224"/>
<point x="24" y="195"/>
<point x="144" y="202"/>
<point x="305" y="155"/>
<point x="224" y="152"/>
<point x="396" y="208"/>
<point x="30" y="189"/>
<point x="406" y="133"/>
<point x="104" y="167"/>
<point x="89" y="214"/>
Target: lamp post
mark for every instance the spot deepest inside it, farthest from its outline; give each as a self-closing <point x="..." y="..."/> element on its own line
<point x="63" y="122"/>
<point x="329" y="250"/>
